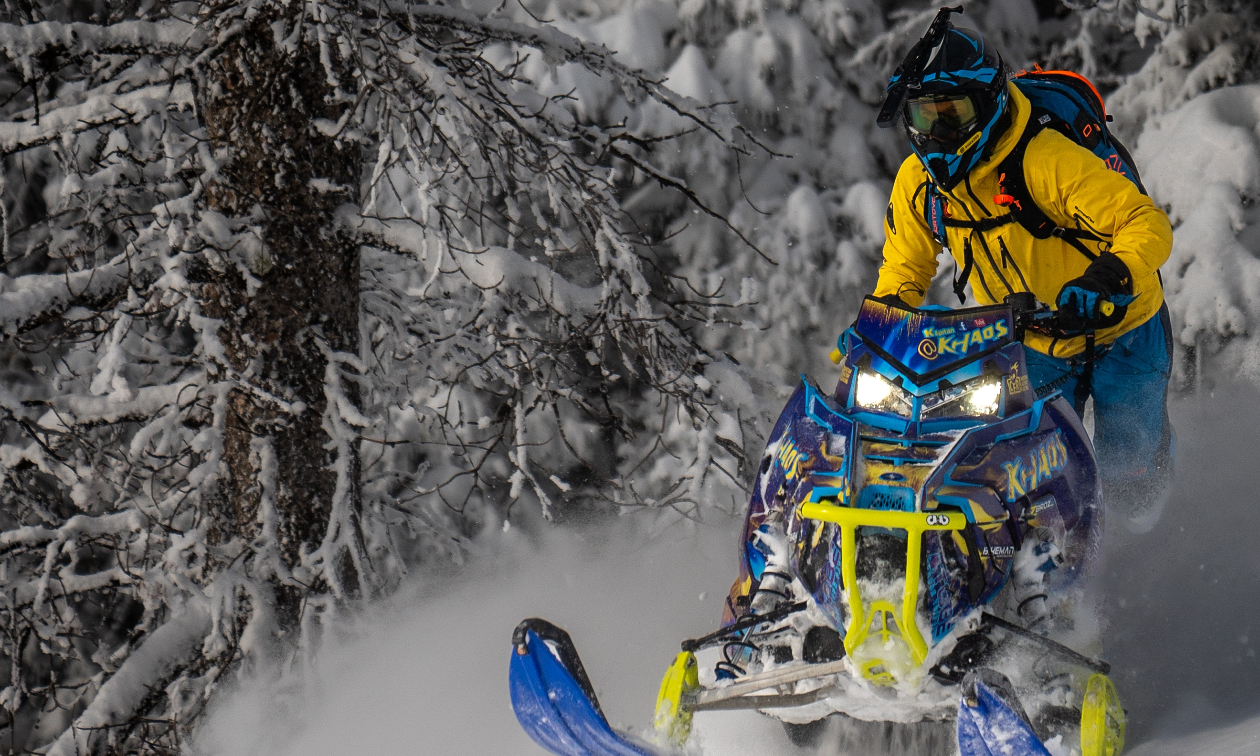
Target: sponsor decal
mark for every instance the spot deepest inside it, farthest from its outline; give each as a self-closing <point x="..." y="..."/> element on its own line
<point x="845" y="373"/>
<point x="1017" y="383"/>
<point x="969" y="143"/>
<point x="998" y="551"/>
<point x="937" y="519"/>
<point x="790" y="458"/>
<point x="938" y="341"/>
<point x="1042" y="505"/>
<point x="1025" y="473"/>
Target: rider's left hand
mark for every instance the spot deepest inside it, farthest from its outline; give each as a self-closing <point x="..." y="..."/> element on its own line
<point x="1105" y="282"/>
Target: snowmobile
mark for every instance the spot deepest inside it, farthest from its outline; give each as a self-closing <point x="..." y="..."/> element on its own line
<point x="916" y="549"/>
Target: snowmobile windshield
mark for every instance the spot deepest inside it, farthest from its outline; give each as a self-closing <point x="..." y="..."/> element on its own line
<point x="925" y="344"/>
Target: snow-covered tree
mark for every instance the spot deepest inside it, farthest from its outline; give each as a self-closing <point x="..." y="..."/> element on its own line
<point x="806" y="77"/>
<point x="295" y="294"/>
<point x="1190" y="112"/>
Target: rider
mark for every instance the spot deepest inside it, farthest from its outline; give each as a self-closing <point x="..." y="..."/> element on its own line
<point x="963" y="119"/>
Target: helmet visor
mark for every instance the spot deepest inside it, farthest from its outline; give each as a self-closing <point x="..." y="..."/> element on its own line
<point x="942" y="117"/>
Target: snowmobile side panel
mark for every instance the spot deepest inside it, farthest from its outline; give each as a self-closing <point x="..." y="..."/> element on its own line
<point x="554" y="703"/>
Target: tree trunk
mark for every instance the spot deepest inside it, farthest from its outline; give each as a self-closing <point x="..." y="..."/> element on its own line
<point x="259" y="103"/>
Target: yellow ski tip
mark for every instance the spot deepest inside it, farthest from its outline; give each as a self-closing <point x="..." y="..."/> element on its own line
<point x="1102" y="718"/>
<point x="672" y="722"/>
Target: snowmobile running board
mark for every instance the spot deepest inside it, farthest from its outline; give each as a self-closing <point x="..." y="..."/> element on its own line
<point x="713" y="698"/>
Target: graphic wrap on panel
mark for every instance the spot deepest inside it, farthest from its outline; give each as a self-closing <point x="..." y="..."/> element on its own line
<point x="1028" y="471"/>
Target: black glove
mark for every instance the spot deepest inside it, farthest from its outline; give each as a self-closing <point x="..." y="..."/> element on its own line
<point x="1100" y="296"/>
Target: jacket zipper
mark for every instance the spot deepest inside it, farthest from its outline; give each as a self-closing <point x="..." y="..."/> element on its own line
<point x="987" y="253"/>
<point x="967" y="250"/>
<point x="996" y="269"/>
<point x="979" y="204"/>
<point x="1081" y="223"/>
<point x="1006" y="257"/>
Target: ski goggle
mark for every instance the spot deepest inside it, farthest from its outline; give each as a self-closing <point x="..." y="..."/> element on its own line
<point x="942" y="117"/>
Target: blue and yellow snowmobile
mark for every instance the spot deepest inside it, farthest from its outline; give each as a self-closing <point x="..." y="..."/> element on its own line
<point x="916" y="550"/>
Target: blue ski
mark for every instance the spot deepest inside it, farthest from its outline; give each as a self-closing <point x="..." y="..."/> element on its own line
<point x="991" y="721"/>
<point x="554" y="700"/>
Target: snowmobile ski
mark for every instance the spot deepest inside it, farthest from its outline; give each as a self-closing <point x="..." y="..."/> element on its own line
<point x="991" y="721"/>
<point x="554" y="700"/>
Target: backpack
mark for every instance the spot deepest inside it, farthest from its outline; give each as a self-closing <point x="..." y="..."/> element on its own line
<point x="1068" y="103"/>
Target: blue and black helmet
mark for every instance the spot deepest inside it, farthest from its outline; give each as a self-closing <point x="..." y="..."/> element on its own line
<point x="951" y="92"/>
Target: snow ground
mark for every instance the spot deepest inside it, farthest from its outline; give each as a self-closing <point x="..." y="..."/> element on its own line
<point x="427" y="673"/>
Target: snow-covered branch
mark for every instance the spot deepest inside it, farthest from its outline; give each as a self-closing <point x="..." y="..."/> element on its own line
<point x="141" y="37"/>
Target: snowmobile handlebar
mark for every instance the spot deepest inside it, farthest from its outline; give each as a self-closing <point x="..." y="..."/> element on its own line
<point x="1031" y="315"/>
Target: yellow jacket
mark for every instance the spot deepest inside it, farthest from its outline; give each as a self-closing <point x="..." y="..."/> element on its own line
<point x="1071" y="186"/>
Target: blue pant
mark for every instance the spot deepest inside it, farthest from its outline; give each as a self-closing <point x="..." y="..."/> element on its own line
<point x="1132" y="436"/>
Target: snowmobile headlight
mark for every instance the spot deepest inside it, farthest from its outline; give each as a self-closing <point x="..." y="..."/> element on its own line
<point x="875" y="392"/>
<point x="975" y="398"/>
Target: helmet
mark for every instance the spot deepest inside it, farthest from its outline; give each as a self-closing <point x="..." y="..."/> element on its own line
<point x="955" y="105"/>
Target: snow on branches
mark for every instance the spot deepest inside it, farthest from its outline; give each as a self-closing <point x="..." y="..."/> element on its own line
<point x="294" y="295"/>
